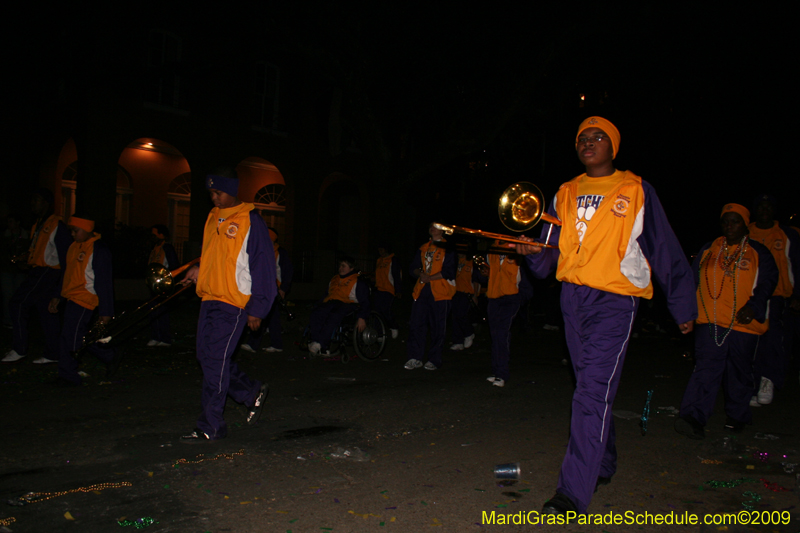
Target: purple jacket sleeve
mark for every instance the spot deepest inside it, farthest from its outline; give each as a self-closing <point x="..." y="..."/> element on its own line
<point x="397" y="275"/>
<point x="103" y="278"/>
<point x="287" y="271"/>
<point x="416" y="263"/>
<point x="450" y="266"/>
<point x="362" y="295"/>
<point x="543" y="264"/>
<point x="794" y="257"/>
<point x="765" y="283"/>
<point x="262" y="268"/>
<point x="667" y="260"/>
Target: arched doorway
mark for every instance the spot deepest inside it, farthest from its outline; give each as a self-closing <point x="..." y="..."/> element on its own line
<point x="262" y="183"/>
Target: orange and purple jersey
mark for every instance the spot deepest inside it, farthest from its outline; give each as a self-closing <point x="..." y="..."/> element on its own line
<point x="49" y="243"/>
<point x="87" y="276"/>
<point x="785" y="248"/>
<point x="464" y="275"/>
<point x="387" y="274"/>
<point x="237" y="264"/>
<point x="724" y="285"/>
<point x="505" y="275"/>
<point x="164" y="254"/>
<point x="433" y="259"/>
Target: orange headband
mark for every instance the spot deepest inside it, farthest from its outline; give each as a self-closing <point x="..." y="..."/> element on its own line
<point x="82" y="223"/>
<point x="738" y="209"/>
<point x="605" y="125"/>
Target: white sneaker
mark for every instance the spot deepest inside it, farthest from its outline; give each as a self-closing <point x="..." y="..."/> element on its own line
<point x="151" y="343"/>
<point x="430" y="366"/>
<point x="754" y="402"/>
<point x="411" y="364"/>
<point x="468" y="340"/>
<point x="765" y="392"/>
<point x="272" y="349"/>
<point x="12" y="356"/>
<point x="457" y="347"/>
<point x="163" y="344"/>
<point x="247" y="348"/>
<point x="314" y="347"/>
<point x="499" y="382"/>
<point x="395" y="333"/>
<point x="491" y="379"/>
<point x="43" y="361"/>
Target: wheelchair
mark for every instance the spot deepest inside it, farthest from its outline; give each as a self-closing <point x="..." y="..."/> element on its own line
<point x="368" y="344"/>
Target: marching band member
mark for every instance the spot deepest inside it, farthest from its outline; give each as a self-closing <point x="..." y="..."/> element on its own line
<point x="435" y="269"/>
<point x="467" y="290"/>
<point x="236" y="281"/>
<point x="615" y="236"/>
<point x="50" y="240"/>
<point x="164" y="254"/>
<point x="388" y="286"/>
<point x="735" y="277"/>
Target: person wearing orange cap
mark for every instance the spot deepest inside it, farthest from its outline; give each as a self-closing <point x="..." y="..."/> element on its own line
<point x="615" y="237"/>
<point x="87" y="285"/>
<point x="735" y="277"/>
<point x="774" y="347"/>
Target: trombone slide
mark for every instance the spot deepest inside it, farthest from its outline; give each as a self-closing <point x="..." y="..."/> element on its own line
<point x="461" y="230"/>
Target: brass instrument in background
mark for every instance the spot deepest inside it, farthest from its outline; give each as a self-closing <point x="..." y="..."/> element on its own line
<point x="161" y="281"/>
<point x="521" y="207"/>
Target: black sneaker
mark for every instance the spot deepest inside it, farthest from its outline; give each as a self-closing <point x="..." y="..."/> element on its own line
<point x="255" y="410"/>
<point x="559" y="505"/>
<point x="195" y="437"/>
<point x="733" y="425"/>
<point x="601" y="480"/>
<point x="689" y="426"/>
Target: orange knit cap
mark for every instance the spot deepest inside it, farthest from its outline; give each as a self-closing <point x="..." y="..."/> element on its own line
<point x="739" y="209"/>
<point x="605" y="125"/>
<point x="82" y="223"/>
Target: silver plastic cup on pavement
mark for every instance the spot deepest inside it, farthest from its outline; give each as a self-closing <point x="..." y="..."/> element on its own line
<point x="507" y="471"/>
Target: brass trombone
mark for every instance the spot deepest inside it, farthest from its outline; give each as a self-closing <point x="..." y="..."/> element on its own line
<point x="521" y="207"/>
<point x="160" y="281"/>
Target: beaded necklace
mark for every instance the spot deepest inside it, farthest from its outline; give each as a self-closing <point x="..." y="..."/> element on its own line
<point x="731" y="260"/>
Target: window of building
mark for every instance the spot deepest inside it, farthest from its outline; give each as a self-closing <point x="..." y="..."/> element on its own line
<point x="179" y="197"/>
<point x="162" y="79"/>
<point x="270" y="201"/>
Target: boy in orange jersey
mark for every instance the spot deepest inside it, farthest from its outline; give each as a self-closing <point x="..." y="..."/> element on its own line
<point x="735" y="277"/>
<point x="388" y="285"/>
<point x="771" y="359"/>
<point x="346" y="292"/>
<point x="163" y="254"/>
<point x="615" y="236"/>
<point x="50" y="240"/>
<point x="435" y="268"/>
<point x="87" y="285"/>
<point x="236" y="281"/>
<point x="507" y="288"/>
<point x="467" y="290"/>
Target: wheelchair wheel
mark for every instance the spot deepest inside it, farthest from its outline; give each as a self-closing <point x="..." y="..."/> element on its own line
<point x="370" y="343"/>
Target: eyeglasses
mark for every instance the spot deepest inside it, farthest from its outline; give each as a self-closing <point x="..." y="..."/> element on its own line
<point x="597" y="138"/>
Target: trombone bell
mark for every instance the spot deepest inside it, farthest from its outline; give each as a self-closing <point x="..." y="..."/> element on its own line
<point x="521" y="206"/>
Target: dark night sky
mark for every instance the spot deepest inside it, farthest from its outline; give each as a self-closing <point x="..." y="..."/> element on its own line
<point x="701" y="97"/>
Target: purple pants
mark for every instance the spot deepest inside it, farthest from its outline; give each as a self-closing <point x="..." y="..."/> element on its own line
<point x="382" y="303"/>
<point x="460" y="319"/>
<point x="218" y="330"/>
<point x="37" y="290"/>
<point x="326" y="318"/>
<point x="501" y="312"/>
<point x="427" y="314"/>
<point x="728" y="365"/>
<point x="771" y="359"/>
<point x="159" y="327"/>
<point x="598" y="326"/>
<point x="273" y="322"/>
<point x="76" y="323"/>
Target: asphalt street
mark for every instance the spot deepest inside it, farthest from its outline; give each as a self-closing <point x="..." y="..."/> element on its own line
<point x="370" y="446"/>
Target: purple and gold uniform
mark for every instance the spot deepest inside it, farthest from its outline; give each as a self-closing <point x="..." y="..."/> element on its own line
<point x="87" y="285"/>
<point x="506" y="289"/>
<point x="771" y="359"/>
<point x="345" y="294"/>
<point x="615" y="238"/>
<point x="236" y="280"/>
<point x="388" y="283"/>
<point x="50" y="240"/>
<point x="431" y="301"/>
<point x="284" y="272"/>
<point x="466" y="277"/>
<point x="724" y="348"/>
